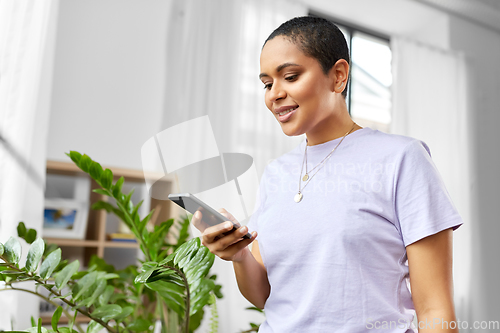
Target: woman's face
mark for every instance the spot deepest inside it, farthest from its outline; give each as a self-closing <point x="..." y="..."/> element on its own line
<point x="298" y="92"/>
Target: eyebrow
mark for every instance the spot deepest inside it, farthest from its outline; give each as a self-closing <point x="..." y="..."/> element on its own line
<point x="279" y="68"/>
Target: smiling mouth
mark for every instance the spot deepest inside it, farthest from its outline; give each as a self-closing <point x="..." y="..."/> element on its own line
<point x="282" y="113"/>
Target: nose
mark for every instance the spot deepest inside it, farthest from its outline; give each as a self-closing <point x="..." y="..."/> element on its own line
<point x="276" y="93"/>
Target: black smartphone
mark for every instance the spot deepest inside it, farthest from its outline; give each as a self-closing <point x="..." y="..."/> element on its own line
<point x="210" y="216"/>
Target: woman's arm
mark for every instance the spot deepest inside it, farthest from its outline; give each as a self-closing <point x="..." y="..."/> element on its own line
<point x="431" y="281"/>
<point x="251" y="275"/>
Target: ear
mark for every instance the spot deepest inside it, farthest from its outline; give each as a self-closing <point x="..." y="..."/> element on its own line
<point x="339" y="74"/>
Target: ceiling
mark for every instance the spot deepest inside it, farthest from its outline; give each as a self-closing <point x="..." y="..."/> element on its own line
<point x="483" y="12"/>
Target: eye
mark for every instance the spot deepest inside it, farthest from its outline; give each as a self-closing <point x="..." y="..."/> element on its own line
<point x="267" y="86"/>
<point x="291" y="78"/>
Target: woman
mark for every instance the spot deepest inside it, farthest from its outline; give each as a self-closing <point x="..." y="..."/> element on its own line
<point x="347" y="217"/>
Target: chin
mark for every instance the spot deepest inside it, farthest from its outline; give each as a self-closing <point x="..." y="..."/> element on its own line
<point x="289" y="131"/>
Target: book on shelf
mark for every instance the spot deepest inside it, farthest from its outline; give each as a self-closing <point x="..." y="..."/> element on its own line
<point x="122" y="237"/>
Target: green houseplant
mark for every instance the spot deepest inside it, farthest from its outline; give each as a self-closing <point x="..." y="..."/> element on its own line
<point x="171" y="287"/>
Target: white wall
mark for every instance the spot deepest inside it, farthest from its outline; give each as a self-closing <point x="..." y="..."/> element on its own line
<point x="108" y="79"/>
<point x="482" y="49"/>
<point x="27" y="32"/>
<point x="390" y="17"/>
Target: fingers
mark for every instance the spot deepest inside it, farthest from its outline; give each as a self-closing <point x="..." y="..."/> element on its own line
<point x="197" y="221"/>
<point x="231" y="251"/>
<point x="210" y="234"/>
<point x="219" y="239"/>
<point x="229" y="216"/>
<point x="226" y="246"/>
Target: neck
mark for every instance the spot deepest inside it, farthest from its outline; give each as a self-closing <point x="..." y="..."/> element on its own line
<point x="332" y="127"/>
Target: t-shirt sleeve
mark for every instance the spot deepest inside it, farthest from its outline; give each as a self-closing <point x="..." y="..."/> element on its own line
<point x="423" y="206"/>
<point x="253" y="223"/>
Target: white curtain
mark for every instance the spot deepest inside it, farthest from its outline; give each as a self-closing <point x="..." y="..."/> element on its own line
<point x="27" y="30"/>
<point x="213" y="52"/>
<point x="430" y="104"/>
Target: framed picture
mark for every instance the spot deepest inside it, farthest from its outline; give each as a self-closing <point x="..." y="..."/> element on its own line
<point x="64" y="218"/>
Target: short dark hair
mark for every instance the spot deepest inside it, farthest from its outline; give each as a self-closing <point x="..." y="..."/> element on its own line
<point x="318" y="38"/>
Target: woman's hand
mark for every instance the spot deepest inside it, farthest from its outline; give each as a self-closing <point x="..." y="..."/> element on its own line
<point x="231" y="247"/>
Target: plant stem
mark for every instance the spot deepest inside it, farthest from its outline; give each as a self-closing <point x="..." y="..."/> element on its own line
<point x="188" y="297"/>
<point x="138" y="235"/>
<point x="71" y="304"/>
<point x="66" y="313"/>
<point x="84" y="312"/>
<point x="138" y="305"/>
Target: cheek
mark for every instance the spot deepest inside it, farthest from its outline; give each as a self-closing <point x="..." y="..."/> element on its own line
<point x="268" y="102"/>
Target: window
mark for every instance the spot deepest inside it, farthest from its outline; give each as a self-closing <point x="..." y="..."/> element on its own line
<point x="369" y="94"/>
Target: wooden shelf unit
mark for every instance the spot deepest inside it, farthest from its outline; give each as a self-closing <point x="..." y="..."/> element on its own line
<point x="95" y="241"/>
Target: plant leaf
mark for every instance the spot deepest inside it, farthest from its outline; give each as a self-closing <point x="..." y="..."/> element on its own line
<point x="55" y="318"/>
<point x="66" y="273"/>
<point x="127" y="203"/>
<point x="103" y="205"/>
<point x="201" y="296"/>
<point x="30" y="236"/>
<point x="186" y="249"/>
<point x="168" y="259"/>
<point x="75" y="156"/>
<point x="253" y="308"/>
<point x="101" y="286"/>
<point x="144" y="276"/>
<point x="107" y="179"/>
<point x="101" y="191"/>
<point x="135" y="210"/>
<point x="21" y="229"/>
<point x="195" y="321"/>
<point x="183" y="232"/>
<point x="104" y="297"/>
<point x="66" y="330"/>
<point x="190" y="256"/>
<point x="2" y="249"/>
<point x="117" y="189"/>
<point x="50" y="263"/>
<point x="107" y="312"/>
<point x="200" y="256"/>
<point x="12" y="251"/>
<point x="35" y="255"/>
<point x="95" y="170"/>
<point x="202" y="268"/>
<point x="139" y="325"/>
<point x="145" y="221"/>
<point x="126" y="311"/>
<point x="84" y="284"/>
<point x="85" y="163"/>
<point x="172" y="294"/>
<point x="94" y="327"/>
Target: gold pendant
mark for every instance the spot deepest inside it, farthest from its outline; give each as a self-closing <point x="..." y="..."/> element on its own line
<point x="298" y="197"/>
<point x="306" y="177"/>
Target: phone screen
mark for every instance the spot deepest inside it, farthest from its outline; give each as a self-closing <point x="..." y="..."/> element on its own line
<point x="192" y="206"/>
<point x="210" y="217"/>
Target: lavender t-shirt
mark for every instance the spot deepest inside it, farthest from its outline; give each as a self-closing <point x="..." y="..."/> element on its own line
<point x="336" y="261"/>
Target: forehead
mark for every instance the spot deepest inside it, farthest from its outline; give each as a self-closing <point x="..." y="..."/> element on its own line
<point x="280" y="50"/>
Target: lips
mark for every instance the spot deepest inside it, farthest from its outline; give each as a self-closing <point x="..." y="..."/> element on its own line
<point x="285" y="112"/>
<point x="285" y="108"/>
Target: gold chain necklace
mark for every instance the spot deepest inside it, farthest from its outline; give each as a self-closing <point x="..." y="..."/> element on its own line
<point x="298" y="197"/>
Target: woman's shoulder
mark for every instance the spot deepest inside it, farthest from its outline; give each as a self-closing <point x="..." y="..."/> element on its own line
<point x="390" y="143"/>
